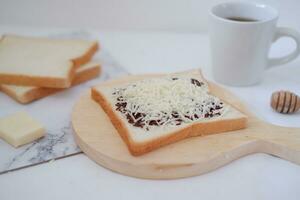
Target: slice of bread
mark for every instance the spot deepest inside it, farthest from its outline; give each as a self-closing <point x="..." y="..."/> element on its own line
<point x="42" y="62"/>
<point x="27" y="94"/>
<point x="140" y="140"/>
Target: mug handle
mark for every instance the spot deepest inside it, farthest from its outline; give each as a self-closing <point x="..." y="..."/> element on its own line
<point x="286" y="32"/>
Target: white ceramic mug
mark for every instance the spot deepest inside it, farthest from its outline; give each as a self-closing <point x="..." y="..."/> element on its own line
<point x="239" y="49"/>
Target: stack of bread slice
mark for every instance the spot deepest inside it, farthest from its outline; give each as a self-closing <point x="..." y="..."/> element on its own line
<point x="32" y="68"/>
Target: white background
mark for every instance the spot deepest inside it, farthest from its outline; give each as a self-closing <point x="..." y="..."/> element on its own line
<point x="170" y="15"/>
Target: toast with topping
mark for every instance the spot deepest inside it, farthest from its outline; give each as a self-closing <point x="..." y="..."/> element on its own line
<point x="152" y="112"/>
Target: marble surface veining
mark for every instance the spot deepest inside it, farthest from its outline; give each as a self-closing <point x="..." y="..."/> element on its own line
<point x="54" y="112"/>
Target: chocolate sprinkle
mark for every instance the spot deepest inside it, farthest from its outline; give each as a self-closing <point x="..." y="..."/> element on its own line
<point x="136" y="119"/>
<point x="196" y="82"/>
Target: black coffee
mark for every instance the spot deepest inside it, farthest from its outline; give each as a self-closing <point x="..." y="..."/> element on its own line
<point x="242" y="19"/>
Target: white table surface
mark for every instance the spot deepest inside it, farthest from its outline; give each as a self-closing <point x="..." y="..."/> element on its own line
<point x="256" y="176"/>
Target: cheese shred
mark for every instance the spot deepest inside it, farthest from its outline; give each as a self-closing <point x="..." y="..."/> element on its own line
<point x="167" y="101"/>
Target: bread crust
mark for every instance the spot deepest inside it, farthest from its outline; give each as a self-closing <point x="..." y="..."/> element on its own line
<point x="51" y="82"/>
<point x="195" y="129"/>
<point x="40" y="92"/>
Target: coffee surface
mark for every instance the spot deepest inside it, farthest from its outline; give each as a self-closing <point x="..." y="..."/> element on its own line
<point x="242" y="19"/>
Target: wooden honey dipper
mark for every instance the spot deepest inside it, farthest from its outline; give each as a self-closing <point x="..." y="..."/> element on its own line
<point x="285" y="102"/>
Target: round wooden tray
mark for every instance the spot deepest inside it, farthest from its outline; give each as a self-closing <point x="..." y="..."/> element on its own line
<point x="99" y="140"/>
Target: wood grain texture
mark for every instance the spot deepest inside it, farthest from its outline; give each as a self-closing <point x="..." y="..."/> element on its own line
<point x="99" y="140"/>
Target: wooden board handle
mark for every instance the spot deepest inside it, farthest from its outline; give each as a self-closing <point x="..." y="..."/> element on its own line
<point x="280" y="141"/>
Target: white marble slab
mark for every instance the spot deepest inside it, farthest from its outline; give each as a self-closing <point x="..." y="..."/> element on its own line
<point x="54" y="112"/>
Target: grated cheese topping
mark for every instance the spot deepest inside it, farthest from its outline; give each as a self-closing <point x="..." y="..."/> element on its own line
<point x="166" y="102"/>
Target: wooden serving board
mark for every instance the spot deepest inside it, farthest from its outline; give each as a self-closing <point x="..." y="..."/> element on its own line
<point x="99" y="140"/>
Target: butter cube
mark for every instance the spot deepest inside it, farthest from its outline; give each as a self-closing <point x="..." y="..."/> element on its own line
<point x="19" y="129"/>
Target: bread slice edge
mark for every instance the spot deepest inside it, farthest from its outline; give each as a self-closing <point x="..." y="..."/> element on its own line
<point x="40" y="92"/>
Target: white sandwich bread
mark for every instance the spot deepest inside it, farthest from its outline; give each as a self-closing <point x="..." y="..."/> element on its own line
<point x="27" y="94"/>
<point x="42" y="62"/>
<point x="152" y="112"/>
